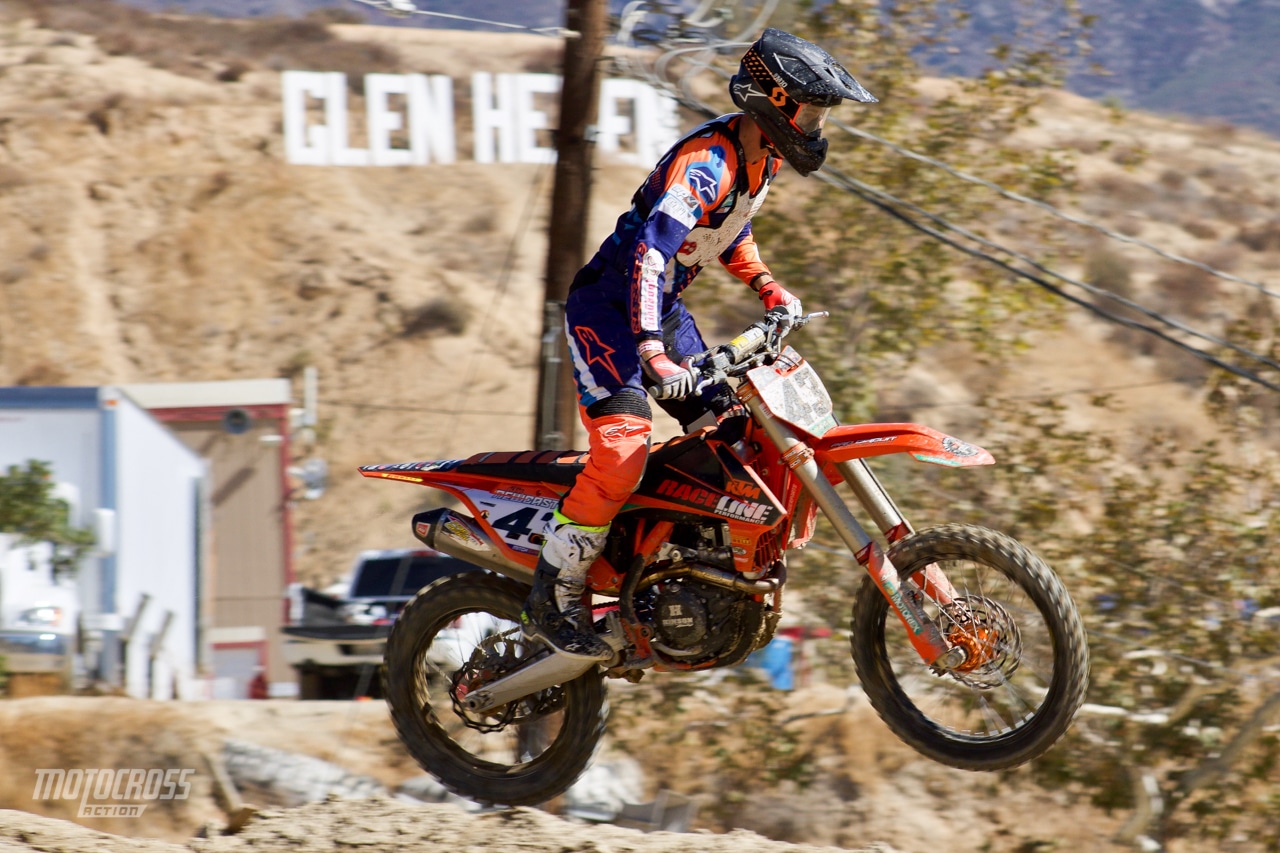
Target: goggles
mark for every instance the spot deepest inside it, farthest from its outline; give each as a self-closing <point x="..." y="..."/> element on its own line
<point x="810" y="118"/>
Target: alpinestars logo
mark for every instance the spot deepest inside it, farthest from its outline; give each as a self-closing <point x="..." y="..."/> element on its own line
<point x="594" y="350"/>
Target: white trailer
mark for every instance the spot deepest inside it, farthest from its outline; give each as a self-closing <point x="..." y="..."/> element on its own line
<point x="131" y="616"/>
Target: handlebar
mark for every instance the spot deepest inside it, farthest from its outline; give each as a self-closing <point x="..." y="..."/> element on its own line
<point x="749" y="349"/>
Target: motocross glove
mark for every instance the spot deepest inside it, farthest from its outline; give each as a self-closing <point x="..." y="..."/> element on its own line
<point x="671" y="381"/>
<point x="780" y="303"/>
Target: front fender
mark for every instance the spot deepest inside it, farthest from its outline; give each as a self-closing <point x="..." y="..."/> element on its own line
<point x="859" y="441"/>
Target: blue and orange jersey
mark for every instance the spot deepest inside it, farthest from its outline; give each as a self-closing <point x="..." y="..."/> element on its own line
<point x="695" y="207"/>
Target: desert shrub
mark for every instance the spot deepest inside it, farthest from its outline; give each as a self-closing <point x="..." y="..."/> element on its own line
<point x="1126" y="190"/>
<point x="448" y="315"/>
<point x="234" y="70"/>
<point x="1172" y="179"/>
<point x="1186" y="289"/>
<point x="1261" y="238"/>
<point x="1225" y="258"/>
<point x="1199" y="229"/>
<point x="1130" y="156"/>
<point x="100" y="115"/>
<point x="1230" y="208"/>
<point x="1109" y="270"/>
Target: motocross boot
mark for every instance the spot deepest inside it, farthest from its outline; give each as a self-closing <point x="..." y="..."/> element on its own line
<point x="554" y="612"/>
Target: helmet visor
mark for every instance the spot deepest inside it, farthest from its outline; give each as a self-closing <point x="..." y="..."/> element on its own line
<point x="811" y="117"/>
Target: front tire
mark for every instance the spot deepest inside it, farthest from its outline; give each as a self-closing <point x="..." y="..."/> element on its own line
<point x="467" y="627"/>
<point x="1030" y="658"/>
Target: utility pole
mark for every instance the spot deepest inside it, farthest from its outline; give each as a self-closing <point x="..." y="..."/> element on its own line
<point x="566" y="235"/>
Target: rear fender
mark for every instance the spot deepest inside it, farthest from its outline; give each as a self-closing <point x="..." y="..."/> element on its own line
<point x="860" y="441"/>
<point x="506" y="514"/>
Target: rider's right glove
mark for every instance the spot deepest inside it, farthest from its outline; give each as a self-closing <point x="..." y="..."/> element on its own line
<point x="671" y="381"/>
<point x="781" y="304"/>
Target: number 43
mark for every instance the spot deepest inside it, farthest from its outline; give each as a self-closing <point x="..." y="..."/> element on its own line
<point x="519" y="525"/>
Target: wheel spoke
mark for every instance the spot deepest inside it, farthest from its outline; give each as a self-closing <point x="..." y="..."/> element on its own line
<point x="455" y="639"/>
<point x="1010" y="621"/>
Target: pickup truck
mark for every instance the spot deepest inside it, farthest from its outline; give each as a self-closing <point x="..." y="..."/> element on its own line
<point x="335" y="639"/>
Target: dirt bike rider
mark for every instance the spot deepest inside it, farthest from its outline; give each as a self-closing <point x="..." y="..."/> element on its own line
<point x="627" y="326"/>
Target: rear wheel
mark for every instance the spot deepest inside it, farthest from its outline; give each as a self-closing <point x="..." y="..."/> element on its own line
<point x="1027" y="660"/>
<point x="455" y="634"/>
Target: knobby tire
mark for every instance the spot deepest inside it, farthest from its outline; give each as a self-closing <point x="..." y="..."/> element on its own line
<point x="878" y="640"/>
<point x="422" y="723"/>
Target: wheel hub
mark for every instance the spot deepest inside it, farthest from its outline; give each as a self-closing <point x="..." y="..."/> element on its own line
<point x="989" y="637"/>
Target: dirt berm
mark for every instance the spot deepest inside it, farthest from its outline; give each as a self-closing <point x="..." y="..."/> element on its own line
<point x="383" y="824"/>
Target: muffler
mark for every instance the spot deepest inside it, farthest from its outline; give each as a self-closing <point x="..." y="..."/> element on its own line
<point x="459" y="535"/>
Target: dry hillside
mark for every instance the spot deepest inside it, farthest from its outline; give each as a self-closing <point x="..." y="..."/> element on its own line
<point x="151" y="230"/>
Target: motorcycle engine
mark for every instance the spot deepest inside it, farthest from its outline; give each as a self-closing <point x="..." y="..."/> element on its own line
<point x="697" y="620"/>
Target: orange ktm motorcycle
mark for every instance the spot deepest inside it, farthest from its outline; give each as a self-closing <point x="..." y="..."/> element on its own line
<point x="965" y="642"/>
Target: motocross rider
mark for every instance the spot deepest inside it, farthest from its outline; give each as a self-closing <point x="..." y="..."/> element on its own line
<point x="627" y="327"/>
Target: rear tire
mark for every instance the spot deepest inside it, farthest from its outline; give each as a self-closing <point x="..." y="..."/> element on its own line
<point x="522" y="754"/>
<point x="1012" y="707"/>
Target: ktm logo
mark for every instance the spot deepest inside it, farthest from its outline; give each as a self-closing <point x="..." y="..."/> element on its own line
<point x="742" y="489"/>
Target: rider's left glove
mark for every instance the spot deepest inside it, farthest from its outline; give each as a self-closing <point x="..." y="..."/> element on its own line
<point x="782" y="304"/>
<point x="671" y="381"/>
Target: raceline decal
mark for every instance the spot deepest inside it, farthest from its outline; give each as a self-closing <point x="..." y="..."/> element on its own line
<point x="720" y="504"/>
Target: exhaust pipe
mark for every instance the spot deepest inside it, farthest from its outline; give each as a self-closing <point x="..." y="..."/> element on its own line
<point x="458" y="535"/>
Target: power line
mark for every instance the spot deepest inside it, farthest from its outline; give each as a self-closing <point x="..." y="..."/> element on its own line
<point x="1048" y="208"/>
<point x="504" y="279"/>
<point x="837" y="177"/>
<point x="402" y="8"/>
<point x="394" y="407"/>
<point x="1048" y="395"/>
<point x="870" y="196"/>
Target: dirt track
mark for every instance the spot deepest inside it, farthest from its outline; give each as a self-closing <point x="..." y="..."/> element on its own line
<point x="384" y="824"/>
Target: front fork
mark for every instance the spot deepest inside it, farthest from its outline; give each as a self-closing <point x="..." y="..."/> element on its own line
<point x="925" y="636"/>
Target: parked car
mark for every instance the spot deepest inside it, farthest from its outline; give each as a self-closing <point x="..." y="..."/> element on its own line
<point x="336" y="638"/>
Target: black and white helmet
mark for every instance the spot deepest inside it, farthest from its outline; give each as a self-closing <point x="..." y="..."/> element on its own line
<point x="787" y="86"/>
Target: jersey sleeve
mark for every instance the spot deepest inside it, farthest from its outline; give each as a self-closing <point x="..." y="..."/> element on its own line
<point x="693" y="179"/>
<point x="742" y="258"/>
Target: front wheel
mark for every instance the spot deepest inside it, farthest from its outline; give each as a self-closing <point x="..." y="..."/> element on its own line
<point x="1027" y="666"/>
<point x="453" y="636"/>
